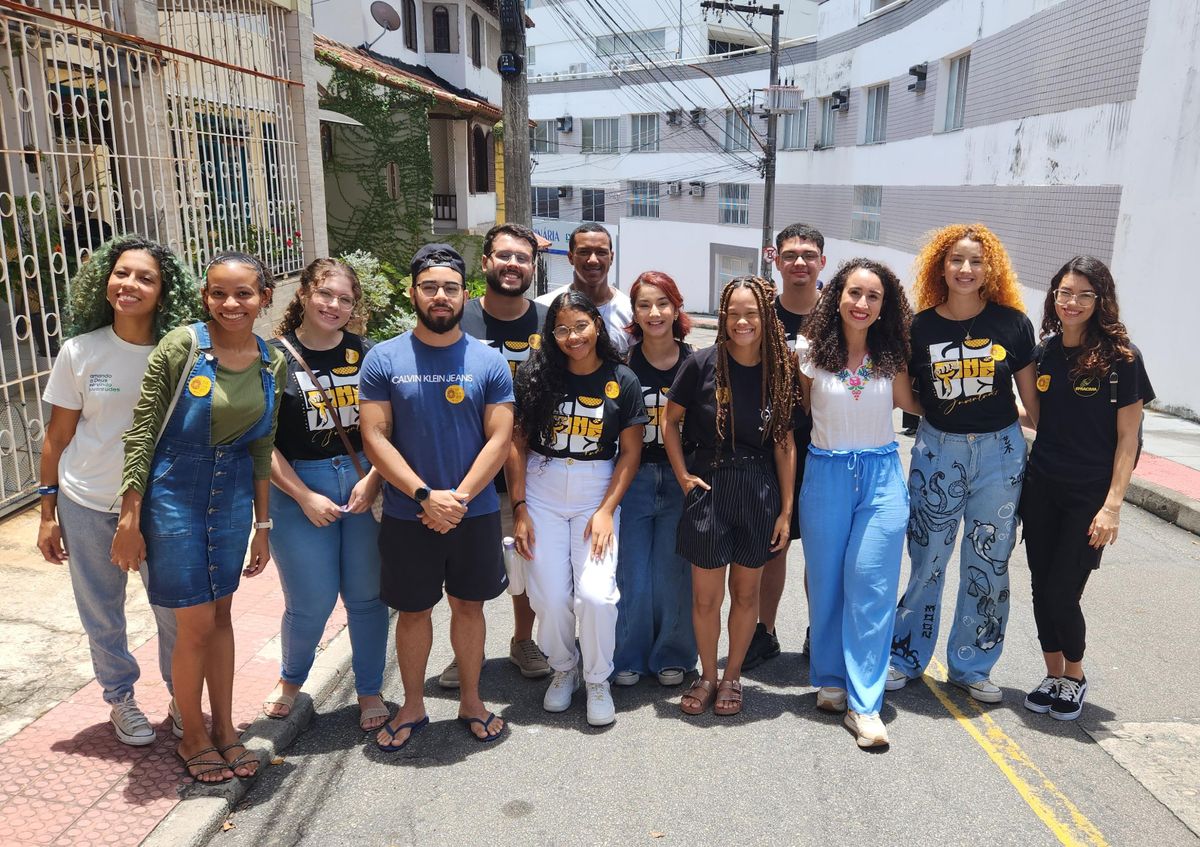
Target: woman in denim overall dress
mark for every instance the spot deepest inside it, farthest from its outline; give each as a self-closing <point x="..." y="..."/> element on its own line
<point x="186" y="499"/>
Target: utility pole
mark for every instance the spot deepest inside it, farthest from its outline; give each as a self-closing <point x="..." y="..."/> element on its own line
<point x="515" y="100"/>
<point x="768" y="160"/>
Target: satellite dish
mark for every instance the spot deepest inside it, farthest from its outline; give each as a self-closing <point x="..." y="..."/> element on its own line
<point x="385" y="15"/>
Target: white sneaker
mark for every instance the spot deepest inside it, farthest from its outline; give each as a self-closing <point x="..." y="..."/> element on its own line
<point x="600" y="708"/>
<point x="868" y="730"/>
<point x="130" y="724"/>
<point x="830" y="699"/>
<point x="984" y="690"/>
<point x="895" y="680"/>
<point x="176" y="719"/>
<point x="563" y="685"/>
<point x="627" y="678"/>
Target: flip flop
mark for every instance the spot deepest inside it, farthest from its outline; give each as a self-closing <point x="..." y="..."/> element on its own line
<point x="414" y="726"/>
<point x="487" y="736"/>
<point x="190" y="763"/>
<point x="371" y="712"/>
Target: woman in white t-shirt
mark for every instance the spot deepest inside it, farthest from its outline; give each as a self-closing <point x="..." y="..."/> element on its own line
<point x="854" y="502"/>
<point x="123" y="300"/>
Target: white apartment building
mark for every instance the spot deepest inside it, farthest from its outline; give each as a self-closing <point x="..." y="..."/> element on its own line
<point x="1067" y="126"/>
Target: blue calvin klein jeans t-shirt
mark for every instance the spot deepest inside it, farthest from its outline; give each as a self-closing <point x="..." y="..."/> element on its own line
<point x="438" y="395"/>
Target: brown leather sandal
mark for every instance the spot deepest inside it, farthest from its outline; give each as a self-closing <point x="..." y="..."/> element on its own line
<point x="698" y="698"/>
<point x="729" y="692"/>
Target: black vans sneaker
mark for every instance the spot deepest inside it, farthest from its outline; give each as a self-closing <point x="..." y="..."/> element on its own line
<point x="764" y="645"/>
<point x="1069" y="702"/>
<point x="1042" y="698"/>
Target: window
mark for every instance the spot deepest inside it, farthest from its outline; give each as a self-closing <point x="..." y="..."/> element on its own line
<point x="480" y="169"/>
<point x="864" y="220"/>
<point x="629" y="43"/>
<point x="544" y="202"/>
<point x="794" y="130"/>
<point x="441" y="29"/>
<point x="956" y="96"/>
<point x="716" y="46"/>
<point x="593" y="204"/>
<point x="644" y="135"/>
<point x="410" y="24"/>
<point x="643" y="199"/>
<point x="733" y="204"/>
<point x="828" y="117"/>
<point x="877" y="105"/>
<point x="737" y="129"/>
<point x="530" y="56"/>
<point x="600" y="135"/>
<point x="543" y="138"/>
<point x="476" y="41"/>
<point x="393" y="181"/>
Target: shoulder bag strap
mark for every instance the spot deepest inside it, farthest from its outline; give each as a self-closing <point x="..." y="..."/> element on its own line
<point x="334" y="415"/>
<point x="188" y="364"/>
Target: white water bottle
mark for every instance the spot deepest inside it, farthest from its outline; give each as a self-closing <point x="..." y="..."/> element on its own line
<point x="514" y="565"/>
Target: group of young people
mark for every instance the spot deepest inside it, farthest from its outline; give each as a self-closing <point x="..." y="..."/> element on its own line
<point x="576" y="451"/>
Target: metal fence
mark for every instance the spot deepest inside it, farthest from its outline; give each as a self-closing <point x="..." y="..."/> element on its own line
<point x="177" y="125"/>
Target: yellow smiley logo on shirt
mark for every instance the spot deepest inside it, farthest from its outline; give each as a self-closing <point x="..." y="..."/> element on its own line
<point x="199" y="386"/>
<point x="351" y="357"/>
<point x="1043" y="383"/>
<point x="535" y="342"/>
<point x="611" y="390"/>
<point x="999" y="353"/>
<point x="455" y="394"/>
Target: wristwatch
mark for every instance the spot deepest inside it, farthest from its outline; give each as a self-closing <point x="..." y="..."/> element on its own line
<point x="267" y="524"/>
<point x="421" y="494"/>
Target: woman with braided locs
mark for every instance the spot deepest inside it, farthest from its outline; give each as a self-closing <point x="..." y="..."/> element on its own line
<point x="854" y="503"/>
<point x="971" y="342"/>
<point x="1091" y="386"/>
<point x="739" y="396"/>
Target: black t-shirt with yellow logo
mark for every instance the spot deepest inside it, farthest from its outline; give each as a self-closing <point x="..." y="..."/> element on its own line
<point x="964" y="369"/>
<point x="306" y="430"/>
<point x="656" y="385"/>
<point x="1077" y="428"/>
<point x="597" y="408"/>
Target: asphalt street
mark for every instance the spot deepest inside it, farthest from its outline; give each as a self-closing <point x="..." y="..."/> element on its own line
<point x="783" y="773"/>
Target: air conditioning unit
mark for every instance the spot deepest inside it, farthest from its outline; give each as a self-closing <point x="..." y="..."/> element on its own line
<point x="675" y="117"/>
<point x="841" y="100"/>
<point x="565" y="124"/>
<point x="696" y="189"/>
<point x="918" y="73"/>
<point x="697" y="117"/>
<point x="674" y="188"/>
<point x="565" y="191"/>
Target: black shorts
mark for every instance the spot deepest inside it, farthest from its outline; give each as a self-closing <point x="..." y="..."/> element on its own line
<point x="416" y="562"/>
<point x="732" y="523"/>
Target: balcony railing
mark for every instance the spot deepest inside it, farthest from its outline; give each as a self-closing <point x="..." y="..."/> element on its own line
<point x="445" y="207"/>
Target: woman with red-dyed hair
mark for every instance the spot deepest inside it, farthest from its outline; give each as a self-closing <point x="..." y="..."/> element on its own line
<point x="654" y="614"/>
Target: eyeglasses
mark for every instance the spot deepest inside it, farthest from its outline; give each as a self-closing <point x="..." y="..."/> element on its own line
<point x="509" y="256"/>
<point x="1083" y="298"/>
<point x="809" y="257"/>
<point x="562" y="332"/>
<point x="327" y="298"/>
<point x="430" y="289"/>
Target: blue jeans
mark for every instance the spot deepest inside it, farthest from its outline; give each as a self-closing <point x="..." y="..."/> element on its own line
<point x="853" y="510"/>
<point x="316" y="563"/>
<point x="99" y="588"/>
<point x="654" y="614"/>
<point x="974" y="479"/>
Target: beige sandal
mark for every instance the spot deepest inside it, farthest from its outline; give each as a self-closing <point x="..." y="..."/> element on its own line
<point x="729" y="692"/>
<point x="371" y="713"/>
<point x="278" y="698"/>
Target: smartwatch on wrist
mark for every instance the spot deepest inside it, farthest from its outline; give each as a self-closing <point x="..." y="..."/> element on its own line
<point x="421" y="494"/>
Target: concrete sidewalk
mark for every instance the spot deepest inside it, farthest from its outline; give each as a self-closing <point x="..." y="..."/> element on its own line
<point x="69" y="781"/>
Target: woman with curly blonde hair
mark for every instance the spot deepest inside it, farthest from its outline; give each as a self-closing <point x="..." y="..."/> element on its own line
<point x="971" y="341"/>
<point x="124" y="299"/>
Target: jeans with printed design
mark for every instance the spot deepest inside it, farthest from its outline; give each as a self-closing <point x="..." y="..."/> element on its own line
<point x="654" y="615"/>
<point x="974" y="480"/>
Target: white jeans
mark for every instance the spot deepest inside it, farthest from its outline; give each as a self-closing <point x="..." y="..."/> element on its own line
<point x="565" y="583"/>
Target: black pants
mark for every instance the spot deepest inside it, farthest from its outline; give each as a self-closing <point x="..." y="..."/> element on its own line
<point x="1056" y="516"/>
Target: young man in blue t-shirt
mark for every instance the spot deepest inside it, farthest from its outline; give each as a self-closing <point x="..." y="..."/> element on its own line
<point x="436" y="419"/>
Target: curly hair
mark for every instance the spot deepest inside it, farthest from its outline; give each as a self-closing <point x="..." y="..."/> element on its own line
<point x="311" y="277"/>
<point x="89" y="308"/>
<point x="887" y="338"/>
<point x="682" y="325"/>
<point x="1105" y="339"/>
<point x="780" y="385"/>
<point x="540" y="384"/>
<point x="929" y="273"/>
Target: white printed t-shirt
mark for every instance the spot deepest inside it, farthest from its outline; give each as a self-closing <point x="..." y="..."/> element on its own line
<point x="617" y="314"/>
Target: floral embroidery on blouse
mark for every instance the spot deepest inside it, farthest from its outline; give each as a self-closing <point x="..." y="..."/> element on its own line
<point x="857" y="380"/>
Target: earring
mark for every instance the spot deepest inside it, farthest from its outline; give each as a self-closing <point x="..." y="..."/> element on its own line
<point x="160" y="307"/>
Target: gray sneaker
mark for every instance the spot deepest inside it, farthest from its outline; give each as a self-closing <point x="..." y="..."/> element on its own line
<point x="449" y="677"/>
<point x="130" y="723"/>
<point x="895" y="680"/>
<point x="528" y="658"/>
<point x="982" y="691"/>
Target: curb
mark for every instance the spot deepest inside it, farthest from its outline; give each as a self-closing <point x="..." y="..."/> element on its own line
<point x="1164" y="503"/>
<point x="202" y="811"/>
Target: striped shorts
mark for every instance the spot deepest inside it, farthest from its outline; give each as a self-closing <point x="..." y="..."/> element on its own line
<point x="731" y="523"/>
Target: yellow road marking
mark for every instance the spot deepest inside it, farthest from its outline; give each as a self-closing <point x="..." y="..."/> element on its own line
<point x="1069" y="825"/>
